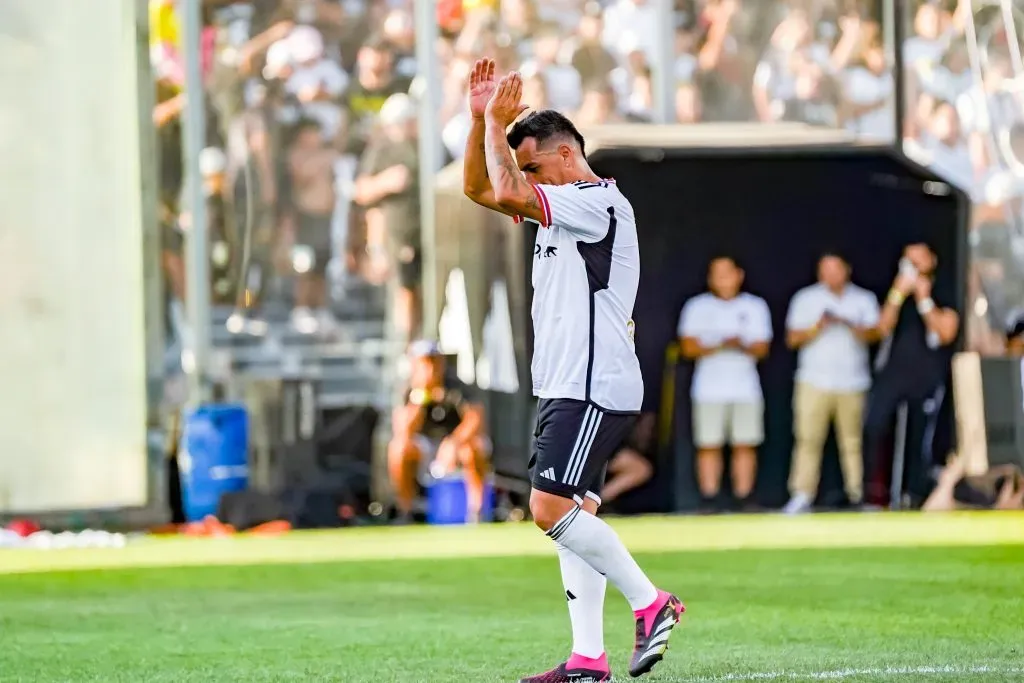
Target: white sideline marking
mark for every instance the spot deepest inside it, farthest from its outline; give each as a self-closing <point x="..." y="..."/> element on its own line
<point x="839" y="674"/>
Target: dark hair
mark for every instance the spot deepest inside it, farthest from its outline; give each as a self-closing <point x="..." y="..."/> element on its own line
<point x="303" y="125"/>
<point x="542" y="126"/>
<point x="833" y="253"/>
<point x="377" y="43"/>
<point x="723" y="257"/>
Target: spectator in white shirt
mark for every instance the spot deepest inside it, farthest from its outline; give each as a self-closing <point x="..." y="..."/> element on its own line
<point x="831" y="324"/>
<point x="628" y="23"/>
<point x="316" y="81"/>
<point x="726" y="332"/>
<point x="868" y="88"/>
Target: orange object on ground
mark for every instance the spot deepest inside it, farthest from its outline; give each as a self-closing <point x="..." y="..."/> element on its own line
<point x="274" y="528"/>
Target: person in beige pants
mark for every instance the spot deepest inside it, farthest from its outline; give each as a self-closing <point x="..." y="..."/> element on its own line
<point x="831" y="324"/>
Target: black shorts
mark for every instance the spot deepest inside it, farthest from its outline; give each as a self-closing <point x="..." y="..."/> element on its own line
<point x="314" y="231"/>
<point x="573" y="442"/>
<point x="410" y="269"/>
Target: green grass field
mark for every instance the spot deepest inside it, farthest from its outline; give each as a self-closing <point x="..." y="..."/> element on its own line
<point x="830" y="597"/>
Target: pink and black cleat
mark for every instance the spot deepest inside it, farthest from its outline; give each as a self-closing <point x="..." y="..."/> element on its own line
<point x="653" y="627"/>
<point x="578" y="669"/>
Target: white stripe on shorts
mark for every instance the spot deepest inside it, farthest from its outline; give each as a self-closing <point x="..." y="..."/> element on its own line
<point x="584" y="442"/>
<point x="584" y="424"/>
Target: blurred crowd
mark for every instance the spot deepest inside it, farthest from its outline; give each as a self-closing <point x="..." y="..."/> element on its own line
<point x="965" y="119"/>
<point x="312" y="165"/>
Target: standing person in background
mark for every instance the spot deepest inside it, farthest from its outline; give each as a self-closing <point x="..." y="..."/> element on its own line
<point x="399" y="30"/>
<point x="830" y="325"/>
<point x="591" y="59"/>
<point x="374" y="83"/>
<point x="726" y="331"/>
<point x="316" y="81"/>
<point x="919" y="326"/>
<point x="311" y="164"/>
<point x="868" y="88"/>
<point x="388" y="187"/>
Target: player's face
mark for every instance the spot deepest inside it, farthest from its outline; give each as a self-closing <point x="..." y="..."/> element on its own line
<point x="548" y="166"/>
<point x="725" y="278"/>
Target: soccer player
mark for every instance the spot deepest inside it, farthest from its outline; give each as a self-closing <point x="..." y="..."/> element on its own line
<point x="585" y="370"/>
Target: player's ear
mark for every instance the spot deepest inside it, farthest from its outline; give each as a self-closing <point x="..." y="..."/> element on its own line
<point x="565" y="151"/>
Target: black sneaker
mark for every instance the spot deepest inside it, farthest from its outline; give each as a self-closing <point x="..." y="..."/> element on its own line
<point x="653" y="627"/>
<point x="561" y="674"/>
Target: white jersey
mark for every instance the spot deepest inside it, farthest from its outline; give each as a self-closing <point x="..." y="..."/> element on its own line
<point x="586" y="271"/>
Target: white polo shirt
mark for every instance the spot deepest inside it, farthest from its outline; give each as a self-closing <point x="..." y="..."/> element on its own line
<point x="726" y="376"/>
<point x="835" y="360"/>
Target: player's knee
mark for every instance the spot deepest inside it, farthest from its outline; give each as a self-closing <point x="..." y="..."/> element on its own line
<point x="590" y="505"/>
<point x="547" y="508"/>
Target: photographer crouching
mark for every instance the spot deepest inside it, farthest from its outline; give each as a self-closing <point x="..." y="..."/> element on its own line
<point x="918" y="325"/>
<point x="438" y="429"/>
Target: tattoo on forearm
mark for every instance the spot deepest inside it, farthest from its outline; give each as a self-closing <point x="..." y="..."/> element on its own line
<point x="531" y="201"/>
<point x="501" y="167"/>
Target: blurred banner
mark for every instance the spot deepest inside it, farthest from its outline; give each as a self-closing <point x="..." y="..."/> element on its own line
<point x="73" y="352"/>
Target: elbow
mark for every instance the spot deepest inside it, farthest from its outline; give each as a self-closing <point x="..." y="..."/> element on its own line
<point x="362" y="193"/>
<point x="948" y="336"/>
<point x="504" y="198"/>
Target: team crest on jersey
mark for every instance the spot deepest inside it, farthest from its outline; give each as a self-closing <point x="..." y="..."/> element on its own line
<point x="630" y="329"/>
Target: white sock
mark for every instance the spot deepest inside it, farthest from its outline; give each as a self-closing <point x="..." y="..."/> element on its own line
<point x="584" y="589"/>
<point x="596" y="542"/>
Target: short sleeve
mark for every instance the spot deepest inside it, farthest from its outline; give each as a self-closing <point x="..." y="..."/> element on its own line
<point x="761" y="329"/>
<point x="584" y="209"/>
<point x="801" y="314"/>
<point x="370" y="161"/>
<point x="871" y="311"/>
<point x="691" y="322"/>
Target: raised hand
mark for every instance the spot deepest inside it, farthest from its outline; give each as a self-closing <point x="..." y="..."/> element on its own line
<point x="481" y="86"/>
<point x="905" y="283"/>
<point x="504" y="106"/>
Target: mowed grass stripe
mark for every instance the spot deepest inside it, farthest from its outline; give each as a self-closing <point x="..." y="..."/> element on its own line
<point x="644" y="534"/>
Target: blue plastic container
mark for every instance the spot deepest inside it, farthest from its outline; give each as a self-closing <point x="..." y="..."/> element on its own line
<point x="213" y="458"/>
<point x="446" y="501"/>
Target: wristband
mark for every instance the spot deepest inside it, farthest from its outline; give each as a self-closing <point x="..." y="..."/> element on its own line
<point x="896" y="298"/>
<point x="925" y="306"/>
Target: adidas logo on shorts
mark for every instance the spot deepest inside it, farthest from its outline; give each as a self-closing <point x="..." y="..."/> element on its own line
<point x="549" y="473"/>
